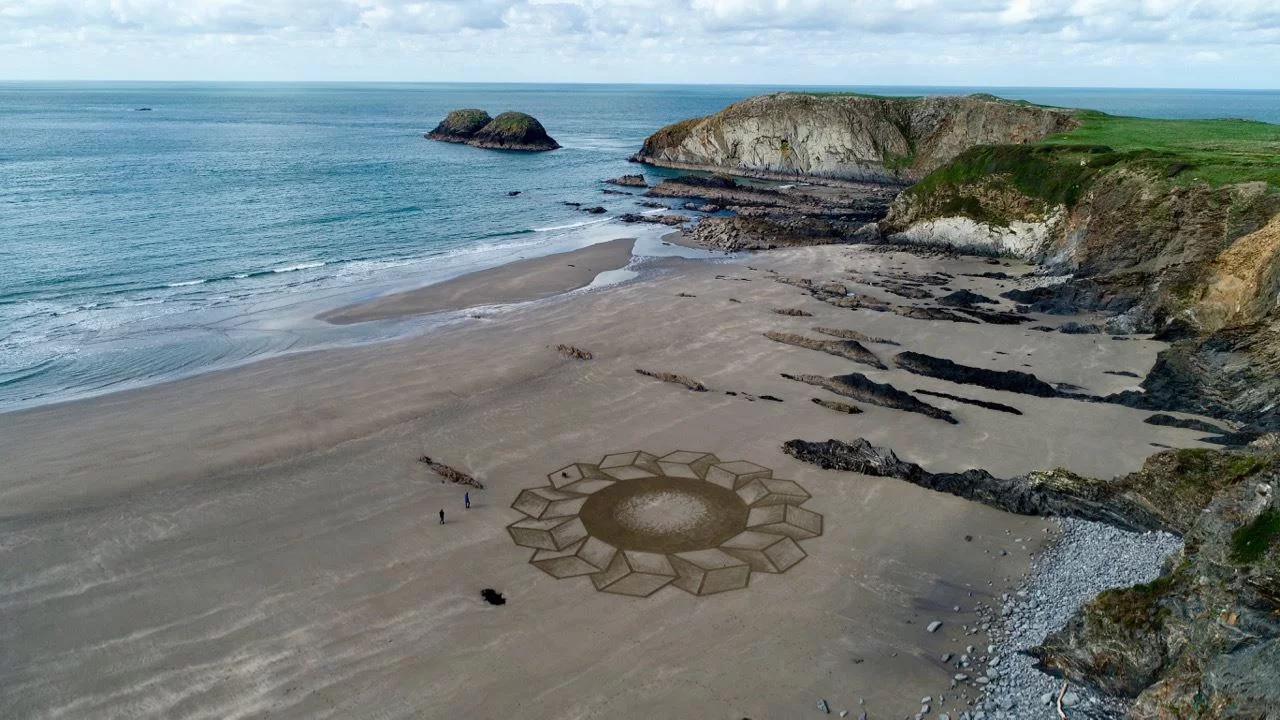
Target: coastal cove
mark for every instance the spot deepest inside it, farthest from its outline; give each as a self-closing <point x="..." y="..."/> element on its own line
<point x="127" y="266"/>
<point x="827" y="401"/>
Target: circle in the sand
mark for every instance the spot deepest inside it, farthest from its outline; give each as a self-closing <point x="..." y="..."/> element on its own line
<point x="635" y="522"/>
<point x="664" y="515"/>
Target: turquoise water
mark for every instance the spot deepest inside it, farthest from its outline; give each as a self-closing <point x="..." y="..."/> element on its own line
<point x="142" y="246"/>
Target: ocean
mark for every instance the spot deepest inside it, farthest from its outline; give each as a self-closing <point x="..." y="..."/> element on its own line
<point x="138" y="247"/>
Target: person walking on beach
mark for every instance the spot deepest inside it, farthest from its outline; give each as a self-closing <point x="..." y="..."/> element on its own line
<point x="441" y="516"/>
<point x="466" y="500"/>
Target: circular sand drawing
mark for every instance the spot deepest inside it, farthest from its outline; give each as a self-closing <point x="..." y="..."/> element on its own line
<point x="636" y="522"/>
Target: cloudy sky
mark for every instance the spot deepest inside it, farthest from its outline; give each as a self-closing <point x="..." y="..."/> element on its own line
<point x="1126" y="43"/>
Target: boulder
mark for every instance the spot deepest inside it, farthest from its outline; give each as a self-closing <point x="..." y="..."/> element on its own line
<point x="629" y="181"/>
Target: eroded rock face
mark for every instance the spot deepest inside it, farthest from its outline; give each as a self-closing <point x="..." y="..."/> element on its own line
<point x="846" y="136"/>
<point x="508" y="131"/>
<point x="1203" y="640"/>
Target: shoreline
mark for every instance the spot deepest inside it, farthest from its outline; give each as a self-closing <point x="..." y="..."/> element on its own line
<point x="519" y="281"/>
<point x="278" y="510"/>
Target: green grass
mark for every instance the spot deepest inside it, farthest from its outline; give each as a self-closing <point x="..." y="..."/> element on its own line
<point x="1218" y="152"/>
<point x="1251" y="542"/>
<point x="1137" y="607"/>
<point x="1057" y="175"/>
<point x="515" y="123"/>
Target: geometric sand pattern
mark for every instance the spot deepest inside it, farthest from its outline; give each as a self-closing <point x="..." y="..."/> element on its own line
<point x="635" y="523"/>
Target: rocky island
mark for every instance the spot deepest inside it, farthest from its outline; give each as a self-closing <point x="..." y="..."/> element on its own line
<point x="508" y="131"/>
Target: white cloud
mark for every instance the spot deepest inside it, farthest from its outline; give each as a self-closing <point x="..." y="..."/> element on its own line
<point x="793" y="41"/>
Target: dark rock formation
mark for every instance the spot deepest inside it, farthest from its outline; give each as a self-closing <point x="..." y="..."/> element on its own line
<point x="1076" y="328"/>
<point x="1056" y="492"/>
<point x="1201" y="641"/>
<point x="629" y="181"/>
<point x="508" y="131"/>
<point x="853" y="335"/>
<point x="971" y="401"/>
<point x="1185" y="423"/>
<point x="597" y="210"/>
<point x="965" y="298"/>
<point x="1232" y="374"/>
<point x="837" y="406"/>
<point x="931" y="313"/>
<point x="688" y="382"/>
<point x="857" y="386"/>
<point x="792" y="312"/>
<point x="450" y="474"/>
<point x="574" y="353"/>
<point x="848" y="349"/>
<point x="943" y="369"/>
<point x="664" y="219"/>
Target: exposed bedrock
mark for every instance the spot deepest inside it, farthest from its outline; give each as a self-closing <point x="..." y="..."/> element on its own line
<point x="848" y="349"/>
<point x="846" y="136"/>
<point x="857" y="386"/>
<point x="944" y="369"/>
<point x="1000" y="407"/>
<point x="1201" y="641"/>
<point x="1056" y="492"/>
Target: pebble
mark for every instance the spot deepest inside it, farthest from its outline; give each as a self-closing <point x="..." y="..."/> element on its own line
<point x="1087" y="559"/>
<point x="933" y="626"/>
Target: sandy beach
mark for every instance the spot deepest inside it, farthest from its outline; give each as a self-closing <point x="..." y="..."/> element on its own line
<point x="520" y="281"/>
<point x="264" y="541"/>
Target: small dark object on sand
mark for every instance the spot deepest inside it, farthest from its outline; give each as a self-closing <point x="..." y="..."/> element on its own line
<point x="792" y="312"/>
<point x="771" y="398"/>
<point x="574" y="353"/>
<point x="690" y="383"/>
<point x="735" y="300"/>
<point x="684" y="294"/>
<point x="493" y="597"/>
<point x="1122" y="373"/>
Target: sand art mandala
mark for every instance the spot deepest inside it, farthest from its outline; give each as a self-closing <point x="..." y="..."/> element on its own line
<point x="636" y="522"/>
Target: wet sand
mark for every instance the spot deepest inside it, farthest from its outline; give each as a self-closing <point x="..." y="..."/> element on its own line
<point x="520" y="281"/>
<point x="263" y="541"/>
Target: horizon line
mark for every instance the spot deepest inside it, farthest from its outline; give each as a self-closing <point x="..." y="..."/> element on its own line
<point x="638" y="84"/>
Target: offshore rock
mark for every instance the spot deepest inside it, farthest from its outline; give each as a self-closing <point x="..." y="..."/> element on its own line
<point x="508" y="131"/>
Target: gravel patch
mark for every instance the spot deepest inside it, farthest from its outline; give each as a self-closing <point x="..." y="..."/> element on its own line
<point x="1088" y="558"/>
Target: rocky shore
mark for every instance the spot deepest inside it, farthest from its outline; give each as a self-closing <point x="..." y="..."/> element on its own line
<point x="1119" y="231"/>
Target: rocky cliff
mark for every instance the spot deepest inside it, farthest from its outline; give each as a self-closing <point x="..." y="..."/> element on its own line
<point x="849" y="137"/>
<point x="1194" y="261"/>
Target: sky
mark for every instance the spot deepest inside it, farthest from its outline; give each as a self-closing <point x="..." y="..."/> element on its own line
<point x="1061" y="43"/>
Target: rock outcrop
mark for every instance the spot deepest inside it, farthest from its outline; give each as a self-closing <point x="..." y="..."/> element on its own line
<point x="459" y="126"/>
<point x="1202" y="640"/>
<point x="847" y="137"/>
<point x="508" y="131"/>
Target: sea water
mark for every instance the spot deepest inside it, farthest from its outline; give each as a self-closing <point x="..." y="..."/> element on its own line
<point x="143" y="245"/>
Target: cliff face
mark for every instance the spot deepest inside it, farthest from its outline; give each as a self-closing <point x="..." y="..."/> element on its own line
<point x="847" y="137"/>
<point x="1202" y="256"/>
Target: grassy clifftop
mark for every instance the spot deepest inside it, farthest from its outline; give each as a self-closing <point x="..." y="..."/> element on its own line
<point x="1219" y="152"/>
